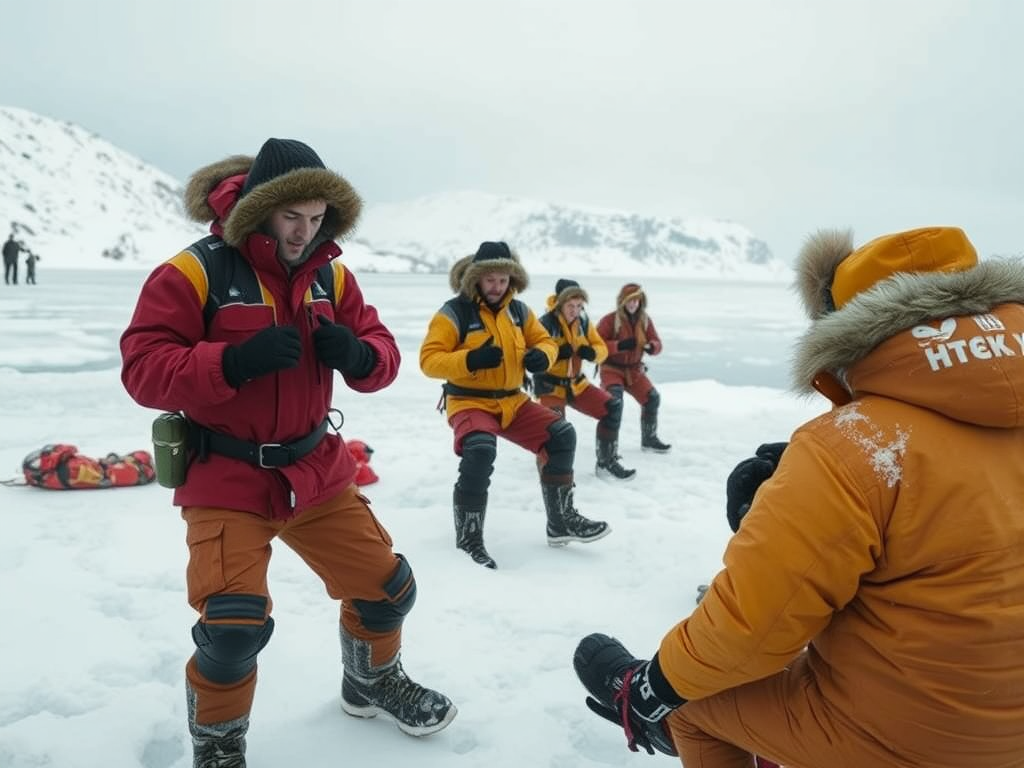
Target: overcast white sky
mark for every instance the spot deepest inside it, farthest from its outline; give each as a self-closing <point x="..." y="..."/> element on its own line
<point x="786" y="116"/>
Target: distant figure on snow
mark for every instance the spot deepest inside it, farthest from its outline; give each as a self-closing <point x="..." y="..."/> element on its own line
<point x="11" y="250"/>
<point x="564" y="383"/>
<point x="629" y="333"/>
<point x="30" y="268"/>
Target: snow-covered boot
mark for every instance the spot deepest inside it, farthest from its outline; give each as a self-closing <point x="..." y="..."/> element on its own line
<point x="470" y="510"/>
<point x="368" y="691"/>
<point x="608" y="458"/>
<point x="565" y="523"/>
<point x="649" y="433"/>
<point x="215" y="745"/>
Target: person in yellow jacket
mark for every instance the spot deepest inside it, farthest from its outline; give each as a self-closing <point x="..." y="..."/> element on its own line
<point x="482" y="342"/>
<point x="871" y="609"/>
<point x="565" y="384"/>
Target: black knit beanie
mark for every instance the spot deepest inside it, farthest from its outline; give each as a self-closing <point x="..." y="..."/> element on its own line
<point x="276" y="158"/>
<point x="564" y="283"/>
<point x="490" y="251"/>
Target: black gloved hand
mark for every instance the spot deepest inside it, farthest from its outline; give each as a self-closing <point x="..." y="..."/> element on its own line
<point x="626" y="344"/>
<point x="630" y="692"/>
<point x="587" y="352"/>
<point x="536" y="361"/>
<point x="338" y="348"/>
<point x="272" y="349"/>
<point x="649" y="347"/>
<point x="746" y="478"/>
<point x="565" y="351"/>
<point x="485" y="356"/>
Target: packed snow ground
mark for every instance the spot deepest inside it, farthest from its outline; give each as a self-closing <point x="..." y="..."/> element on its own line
<point x="96" y="629"/>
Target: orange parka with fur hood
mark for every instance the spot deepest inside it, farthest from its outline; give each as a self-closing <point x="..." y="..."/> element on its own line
<point x="889" y="544"/>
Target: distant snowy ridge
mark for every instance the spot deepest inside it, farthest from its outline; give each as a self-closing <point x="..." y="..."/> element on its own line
<point x="78" y="201"/>
<point x="431" y="232"/>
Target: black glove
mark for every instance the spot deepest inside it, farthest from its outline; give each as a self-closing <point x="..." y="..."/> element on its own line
<point x="627" y="344"/>
<point x="536" y="361"/>
<point x="746" y="478"/>
<point x="565" y="351"/>
<point x="630" y="692"/>
<point x="587" y="352"/>
<point x="649" y="347"/>
<point x="485" y="356"/>
<point x="340" y="349"/>
<point x="272" y="349"/>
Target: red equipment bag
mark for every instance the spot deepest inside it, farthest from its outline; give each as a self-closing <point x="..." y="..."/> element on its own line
<point x="361" y="452"/>
<point x="62" y="467"/>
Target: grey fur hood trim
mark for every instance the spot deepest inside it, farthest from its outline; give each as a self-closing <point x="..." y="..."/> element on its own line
<point x="251" y="211"/>
<point x="816" y="268"/>
<point x="570" y="292"/>
<point x="464" y="274"/>
<point x="837" y="340"/>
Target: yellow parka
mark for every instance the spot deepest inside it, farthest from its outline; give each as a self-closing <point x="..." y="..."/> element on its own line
<point x="889" y="543"/>
<point x="562" y="332"/>
<point x="443" y="355"/>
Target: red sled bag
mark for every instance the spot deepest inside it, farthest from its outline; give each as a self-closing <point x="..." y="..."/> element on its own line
<point x="62" y="467"/>
<point x="361" y="452"/>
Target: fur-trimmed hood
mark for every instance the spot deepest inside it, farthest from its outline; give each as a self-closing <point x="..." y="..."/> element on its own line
<point x="466" y="273"/>
<point x="840" y="339"/>
<point x="564" y="291"/>
<point x="627" y="292"/>
<point x="212" y="196"/>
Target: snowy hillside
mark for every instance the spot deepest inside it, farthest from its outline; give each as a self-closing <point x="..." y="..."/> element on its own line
<point x="78" y="201"/>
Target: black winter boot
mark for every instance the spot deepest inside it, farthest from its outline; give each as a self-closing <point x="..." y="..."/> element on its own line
<point x="565" y="523"/>
<point x="368" y="691"/>
<point x="470" y="510"/>
<point x="608" y="459"/>
<point x="215" y="745"/>
<point x="649" y="434"/>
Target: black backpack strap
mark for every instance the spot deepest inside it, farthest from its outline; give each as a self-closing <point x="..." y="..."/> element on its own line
<point x="551" y="324"/>
<point x="519" y="312"/>
<point x="324" y="281"/>
<point x="465" y="314"/>
<point x="229" y="277"/>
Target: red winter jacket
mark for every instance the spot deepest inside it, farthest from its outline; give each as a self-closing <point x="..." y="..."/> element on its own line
<point x="172" y="361"/>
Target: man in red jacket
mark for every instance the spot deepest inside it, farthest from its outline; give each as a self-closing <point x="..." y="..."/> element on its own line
<point x="629" y="333"/>
<point x="242" y="332"/>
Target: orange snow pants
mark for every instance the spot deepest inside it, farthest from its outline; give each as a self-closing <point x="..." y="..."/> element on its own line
<point x="229" y="552"/>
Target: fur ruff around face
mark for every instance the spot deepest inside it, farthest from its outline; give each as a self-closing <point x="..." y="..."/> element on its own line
<point x="627" y="292"/>
<point x="465" y="274"/>
<point x="250" y="212"/>
<point x="838" y="339"/>
<point x="571" y="292"/>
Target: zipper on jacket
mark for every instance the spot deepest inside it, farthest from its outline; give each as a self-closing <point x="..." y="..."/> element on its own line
<point x="311" y="321"/>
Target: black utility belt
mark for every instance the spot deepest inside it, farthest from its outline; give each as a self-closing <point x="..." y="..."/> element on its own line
<point x="547" y="378"/>
<point x="490" y="394"/>
<point x="265" y="455"/>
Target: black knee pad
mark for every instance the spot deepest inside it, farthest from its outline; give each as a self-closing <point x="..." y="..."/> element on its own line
<point x="616" y="391"/>
<point x="388" y="614"/>
<point x="560" y="447"/>
<point x="479" y="450"/>
<point x="226" y="652"/>
<point x="612" y="419"/>
<point x="653" y="401"/>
